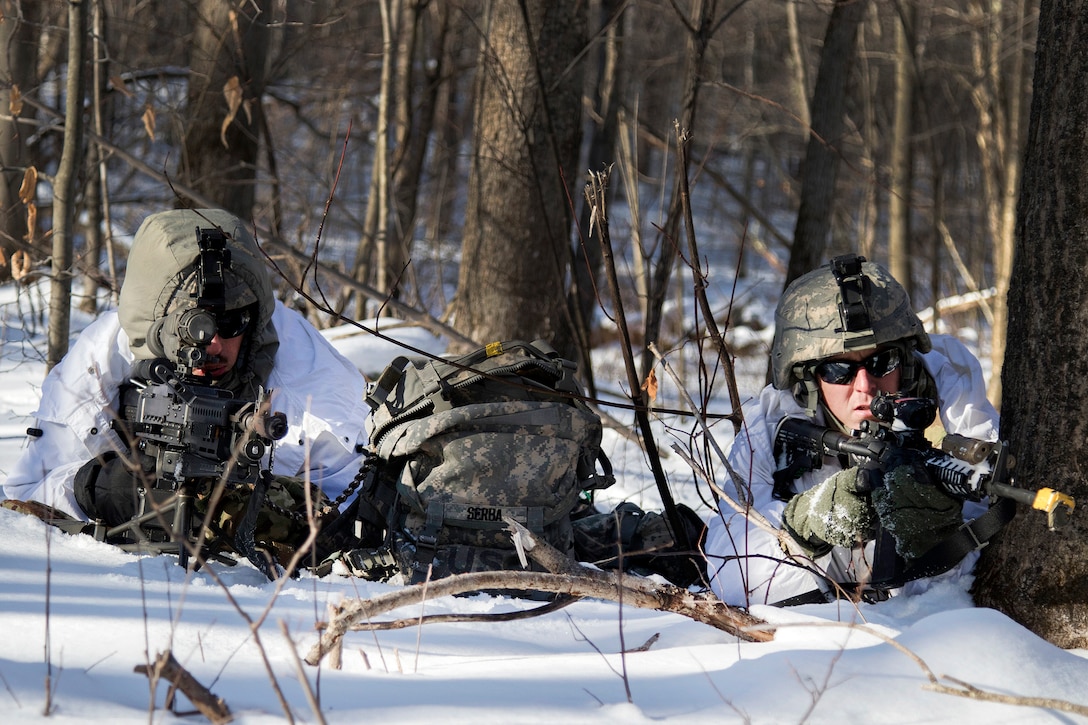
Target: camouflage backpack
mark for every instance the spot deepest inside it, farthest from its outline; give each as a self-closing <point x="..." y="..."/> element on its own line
<point x="460" y="444"/>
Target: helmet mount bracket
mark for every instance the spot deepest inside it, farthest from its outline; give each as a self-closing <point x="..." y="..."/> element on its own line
<point x="854" y="290"/>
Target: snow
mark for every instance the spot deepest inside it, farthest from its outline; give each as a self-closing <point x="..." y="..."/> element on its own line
<point x="77" y="616"/>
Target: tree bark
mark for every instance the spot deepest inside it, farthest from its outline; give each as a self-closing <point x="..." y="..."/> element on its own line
<point x="810" y="237"/>
<point x="602" y="152"/>
<point x="515" y="252"/>
<point x="1039" y="577"/>
<point x="902" y="158"/>
<point x="226" y="85"/>
<point x="66" y="185"/>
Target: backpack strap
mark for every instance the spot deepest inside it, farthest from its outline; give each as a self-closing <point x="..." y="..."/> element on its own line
<point x="379" y="391"/>
<point x="427" y="541"/>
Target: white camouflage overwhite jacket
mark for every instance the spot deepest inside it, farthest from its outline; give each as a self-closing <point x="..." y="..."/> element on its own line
<point x="744" y="561"/>
<point x="320" y="391"/>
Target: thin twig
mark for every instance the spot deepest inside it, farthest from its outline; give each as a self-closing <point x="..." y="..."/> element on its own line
<point x="595" y="197"/>
<point x="300" y="672"/>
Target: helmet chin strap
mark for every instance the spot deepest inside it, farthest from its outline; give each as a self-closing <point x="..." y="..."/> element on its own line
<point x="807" y="391"/>
<point x="807" y="394"/>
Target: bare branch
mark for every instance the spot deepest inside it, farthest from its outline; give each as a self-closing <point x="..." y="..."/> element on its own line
<point x="168" y="668"/>
<point x="564" y="576"/>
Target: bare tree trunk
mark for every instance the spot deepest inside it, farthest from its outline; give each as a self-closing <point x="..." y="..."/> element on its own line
<point x="67" y="182"/>
<point x="425" y="26"/>
<point x="871" y="131"/>
<point x="226" y="85"/>
<point x="18" y="75"/>
<point x="822" y="157"/>
<point x="443" y="161"/>
<point x="1039" y="577"/>
<point x="602" y="148"/>
<point x="376" y="233"/>
<point x="1004" y="243"/>
<point x="97" y="197"/>
<point x="701" y="25"/>
<point x="902" y="158"/>
<point x="798" y="66"/>
<point x="516" y="250"/>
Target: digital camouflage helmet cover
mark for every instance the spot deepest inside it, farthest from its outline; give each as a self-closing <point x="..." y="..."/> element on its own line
<point x="847" y="304"/>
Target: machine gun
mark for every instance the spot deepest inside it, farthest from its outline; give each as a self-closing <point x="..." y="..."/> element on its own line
<point x="190" y="437"/>
<point x="966" y="468"/>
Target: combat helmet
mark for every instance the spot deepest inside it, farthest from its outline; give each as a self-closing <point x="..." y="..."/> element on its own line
<point x="847" y="304"/>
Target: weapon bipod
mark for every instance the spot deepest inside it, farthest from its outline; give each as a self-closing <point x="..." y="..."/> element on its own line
<point x="147" y="533"/>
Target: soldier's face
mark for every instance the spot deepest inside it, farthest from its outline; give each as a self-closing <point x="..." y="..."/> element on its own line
<point x="860" y="377"/>
<point x="222" y="355"/>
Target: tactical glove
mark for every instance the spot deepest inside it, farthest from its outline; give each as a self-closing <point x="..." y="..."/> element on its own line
<point x="832" y="513"/>
<point x="914" y="510"/>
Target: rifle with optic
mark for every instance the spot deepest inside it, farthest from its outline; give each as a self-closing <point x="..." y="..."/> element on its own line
<point x="966" y="468"/>
<point x="190" y="437"/>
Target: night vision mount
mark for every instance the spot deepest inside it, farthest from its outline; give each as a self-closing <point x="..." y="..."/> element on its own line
<point x="182" y="336"/>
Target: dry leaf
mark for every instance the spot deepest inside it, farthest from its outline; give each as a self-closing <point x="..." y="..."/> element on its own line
<point x="149" y="121"/>
<point x="232" y="92"/>
<point x="20" y="264"/>
<point x="650" y="385"/>
<point x="31" y="220"/>
<point x="15" y="101"/>
<point x="118" y="84"/>
<point x="30" y="185"/>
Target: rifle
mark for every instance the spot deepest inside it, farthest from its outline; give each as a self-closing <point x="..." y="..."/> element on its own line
<point x="966" y="468"/>
<point x="197" y="436"/>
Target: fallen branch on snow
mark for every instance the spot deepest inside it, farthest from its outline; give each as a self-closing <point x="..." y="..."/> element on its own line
<point x="564" y="576"/>
<point x="169" y="669"/>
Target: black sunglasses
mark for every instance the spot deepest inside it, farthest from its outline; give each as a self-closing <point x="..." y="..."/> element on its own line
<point x="233" y="323"/>
<point x="842" y="372"/>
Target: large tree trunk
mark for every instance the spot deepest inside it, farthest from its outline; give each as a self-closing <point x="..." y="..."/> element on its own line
<point x="515" y="253"/>
<point x="1039" y="577"/>
<point x="226" y="84"/>
<point x="821" y="169"/>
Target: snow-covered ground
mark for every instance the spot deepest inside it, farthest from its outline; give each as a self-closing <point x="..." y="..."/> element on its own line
<point x="77" y="616"/>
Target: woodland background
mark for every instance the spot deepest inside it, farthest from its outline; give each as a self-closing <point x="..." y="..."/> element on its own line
<point x="427" y="160"/>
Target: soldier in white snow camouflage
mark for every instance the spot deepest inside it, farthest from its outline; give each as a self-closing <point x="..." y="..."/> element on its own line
<point x="844" y="333"/>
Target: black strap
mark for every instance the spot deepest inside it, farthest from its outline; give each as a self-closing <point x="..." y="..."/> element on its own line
<point x="840" y="591"/>
<point x="972" y="536"/>
<point x="244" y="536"/>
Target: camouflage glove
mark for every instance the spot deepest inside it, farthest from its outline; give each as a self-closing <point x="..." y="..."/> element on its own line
<point x="832" y="513"/>
<point x="914" y="510"/>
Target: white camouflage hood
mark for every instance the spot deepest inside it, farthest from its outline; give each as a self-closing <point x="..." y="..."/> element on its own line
<point x="162" y="271"/>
